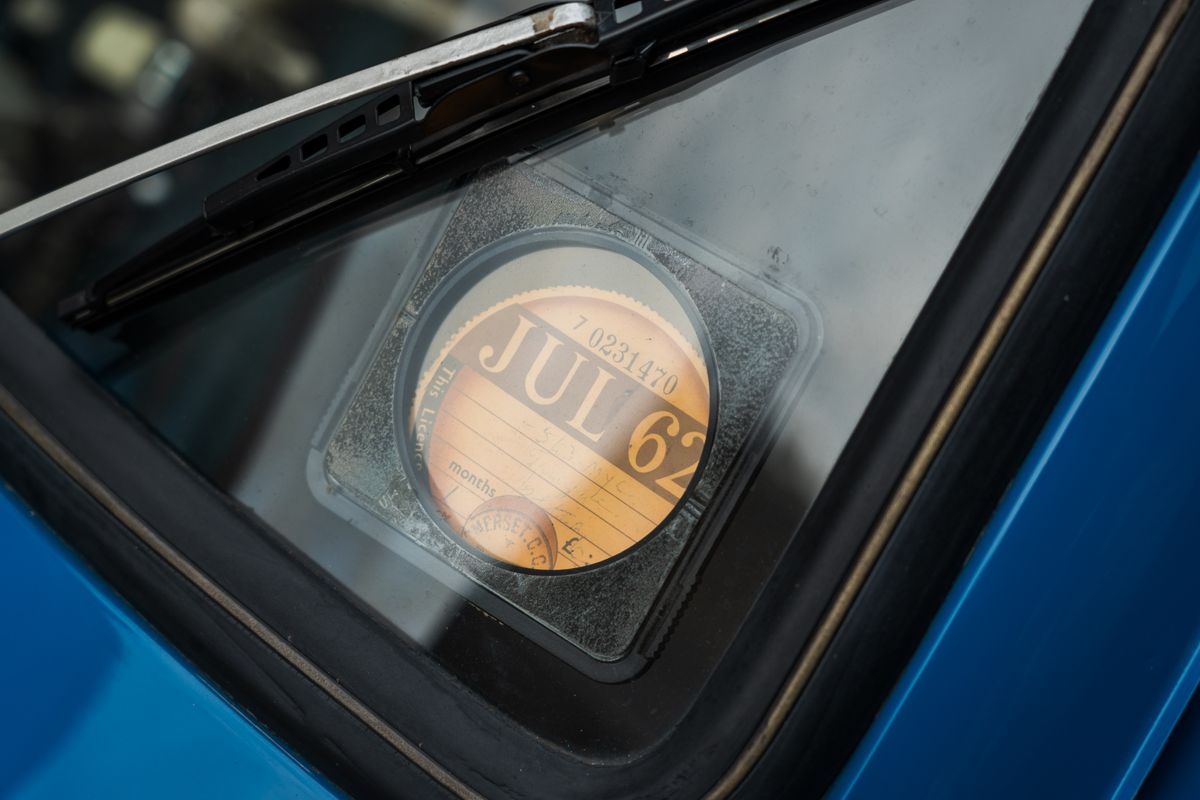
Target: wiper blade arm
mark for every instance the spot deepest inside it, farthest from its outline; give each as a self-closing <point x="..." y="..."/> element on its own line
<point x="445" y="90"/>
<point x="386" y="135"/>
<point x="402" y="138"/>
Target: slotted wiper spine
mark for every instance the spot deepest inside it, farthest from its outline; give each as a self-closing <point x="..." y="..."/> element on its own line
<point x="447" y="114"/>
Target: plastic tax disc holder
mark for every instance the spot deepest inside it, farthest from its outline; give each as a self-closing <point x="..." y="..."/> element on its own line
<point x="558" y="418"/>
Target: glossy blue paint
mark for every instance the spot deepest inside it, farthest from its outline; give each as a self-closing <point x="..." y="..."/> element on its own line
<point x="1176" y="773"/>
<point x="93" y="705"/>
<point x="1068" y="647"/>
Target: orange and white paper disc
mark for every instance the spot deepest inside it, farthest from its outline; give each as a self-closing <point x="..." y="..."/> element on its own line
<point x="560" y="426"/>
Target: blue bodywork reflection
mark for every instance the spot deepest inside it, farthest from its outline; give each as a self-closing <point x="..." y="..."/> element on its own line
<point x="93" y="705"/>
<point x="1068" y="648"/>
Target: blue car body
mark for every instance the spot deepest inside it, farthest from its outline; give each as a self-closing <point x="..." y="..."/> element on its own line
<point x="94" y="704"/>
<point x="1067" y="651"/>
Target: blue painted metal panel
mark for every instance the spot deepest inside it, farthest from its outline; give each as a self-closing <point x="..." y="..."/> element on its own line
<point x="1176" y="774"/>
<point x="1068" y="647"/>
<point x="93" y="705"/>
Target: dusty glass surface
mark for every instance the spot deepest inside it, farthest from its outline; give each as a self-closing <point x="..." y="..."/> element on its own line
<point x="812" y="196"/>
<point x="846" y="168"/>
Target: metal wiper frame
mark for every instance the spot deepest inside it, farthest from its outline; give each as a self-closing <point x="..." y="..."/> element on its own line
<point x="435" y="115"/>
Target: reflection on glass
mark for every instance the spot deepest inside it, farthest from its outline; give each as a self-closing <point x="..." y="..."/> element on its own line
<point x="844" y="169"/>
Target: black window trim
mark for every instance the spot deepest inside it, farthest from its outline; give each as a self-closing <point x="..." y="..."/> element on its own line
<point x="75" y="430"/>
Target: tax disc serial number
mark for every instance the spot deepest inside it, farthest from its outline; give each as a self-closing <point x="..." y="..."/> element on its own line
<point x="561" y="426"/>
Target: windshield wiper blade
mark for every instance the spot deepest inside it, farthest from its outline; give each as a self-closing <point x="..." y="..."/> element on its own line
<point x="451" y="119"/>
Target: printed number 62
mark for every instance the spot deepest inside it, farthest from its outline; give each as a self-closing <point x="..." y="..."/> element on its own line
<point x="642" y="438"/>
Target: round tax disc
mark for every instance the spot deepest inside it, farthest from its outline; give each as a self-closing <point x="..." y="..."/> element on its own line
<point x="562" y="403"/>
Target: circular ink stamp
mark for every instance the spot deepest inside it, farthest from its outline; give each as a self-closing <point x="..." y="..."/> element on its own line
<point x="513" y="529"/>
